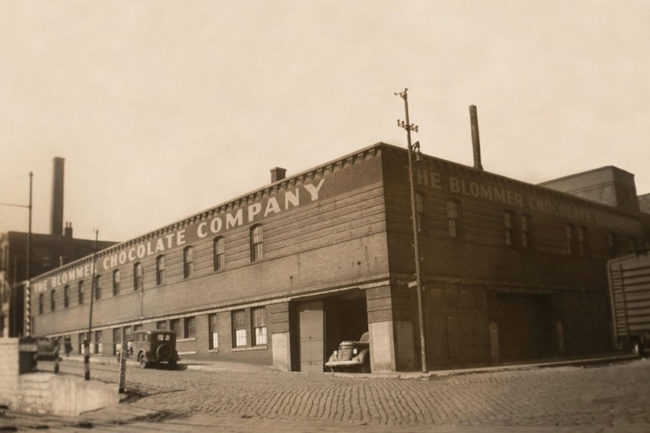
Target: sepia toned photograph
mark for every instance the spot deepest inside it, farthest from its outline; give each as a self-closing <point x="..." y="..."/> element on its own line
<point x="325" y="216"/>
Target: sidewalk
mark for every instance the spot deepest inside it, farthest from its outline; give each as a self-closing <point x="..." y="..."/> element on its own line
<point x="207" y="365"/>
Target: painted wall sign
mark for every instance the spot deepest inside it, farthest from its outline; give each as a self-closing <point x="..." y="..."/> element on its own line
<point x="213" y="226"/>
<point x="501" y="194"/>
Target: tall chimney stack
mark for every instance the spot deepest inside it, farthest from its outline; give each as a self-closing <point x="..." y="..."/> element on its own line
<point x="476" y="141"/>
<point x="56" y="215"/>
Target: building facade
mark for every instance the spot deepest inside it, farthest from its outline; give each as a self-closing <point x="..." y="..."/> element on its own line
<point x="48" y="252"/>
<point x="280" y="276"/>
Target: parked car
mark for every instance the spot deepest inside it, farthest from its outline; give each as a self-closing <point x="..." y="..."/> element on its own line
<point x="351" y="356"/>
<point x="46" y="349"/>
<point x="154" y="347"/>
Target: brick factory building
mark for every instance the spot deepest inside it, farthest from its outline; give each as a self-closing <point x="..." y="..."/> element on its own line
<point x="279" y="276"/>
<point x="48" y="251"/>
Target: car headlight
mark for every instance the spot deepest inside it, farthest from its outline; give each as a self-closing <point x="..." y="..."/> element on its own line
<point x="336" y="353"/>
<point x="355" y="351"/>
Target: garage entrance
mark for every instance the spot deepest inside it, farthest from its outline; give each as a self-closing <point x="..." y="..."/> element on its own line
<point x="318" y="326"/>
<point x="522" y="327"/>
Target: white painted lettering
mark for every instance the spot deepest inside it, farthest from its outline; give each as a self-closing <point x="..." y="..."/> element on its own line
<point x="180" y="237"/>
<point x="272" y="206"/>
<point x="216" y="225"/>
<point x="141" y="250"/>
<point x="202" y="230"/>
<point x="313" y="190"/>
<point x="253" y="210"/>
<point x="291" y="197"/>
<point x="235" y="221"/>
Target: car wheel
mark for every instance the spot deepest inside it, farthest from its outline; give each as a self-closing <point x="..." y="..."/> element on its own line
<point x="142" y="359"/>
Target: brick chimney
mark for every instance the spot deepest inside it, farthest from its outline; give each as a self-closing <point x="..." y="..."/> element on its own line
<point x="277" y="174"/>
<point x="56" y="214"/>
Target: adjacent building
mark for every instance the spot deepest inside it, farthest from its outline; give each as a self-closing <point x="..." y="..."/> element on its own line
<point x="48" y="251"/>
<point x="279" y="276"/>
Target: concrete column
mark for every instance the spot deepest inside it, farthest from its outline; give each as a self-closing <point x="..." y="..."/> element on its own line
<point x="280" y="335"/>
<point x="390" y="326"/>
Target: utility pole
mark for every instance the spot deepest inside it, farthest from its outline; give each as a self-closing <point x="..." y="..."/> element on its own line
<point x="90" y="315"/>
<point x="414" y="151"/>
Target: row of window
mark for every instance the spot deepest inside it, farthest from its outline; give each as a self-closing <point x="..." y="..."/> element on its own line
<point x="248" y="326"/>
<point x="219" y="263"/>
<point x="517" y="231"/>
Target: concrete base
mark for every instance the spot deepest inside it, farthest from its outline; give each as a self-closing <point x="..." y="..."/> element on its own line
<point x="281" y="345"/>
<point x="46" y="393"/>
<point x="382" y="356"/>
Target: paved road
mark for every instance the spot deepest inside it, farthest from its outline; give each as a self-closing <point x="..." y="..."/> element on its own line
<point x="597" y="399"/>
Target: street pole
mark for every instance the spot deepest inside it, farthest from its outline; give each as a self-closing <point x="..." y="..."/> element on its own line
<point x="27" y="310"/>
<point x="416" y="249"/>
<point x="90" y="315"/>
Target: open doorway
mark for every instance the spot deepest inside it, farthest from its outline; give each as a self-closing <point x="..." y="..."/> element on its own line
<point x="318" y="326"/>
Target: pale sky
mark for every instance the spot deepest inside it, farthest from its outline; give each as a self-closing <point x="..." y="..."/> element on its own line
<point x="164" y="108"/>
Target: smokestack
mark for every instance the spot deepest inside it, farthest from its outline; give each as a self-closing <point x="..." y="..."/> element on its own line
<point x="476" y="141"/>
<point x="277" y="174"/>
<point x="56" y="216"/>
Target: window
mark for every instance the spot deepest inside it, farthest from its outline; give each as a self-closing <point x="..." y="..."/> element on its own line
<point x="524" y="226"/>
<point x="452" y="218"/>
<point x="259" y="326"/>
<point x="66" y="296"/>
<point x="256" y="243"/>
<point x="507" y="224"/>
<point x="98" y="288"/>
<point x="213" y="333"/>
<point x="81" y="338"/>
<point x="239" y="328"/>
<point x="117" y="339"/>
<point x="419" y="211"/>
<point x="219" y="254"/>
<point x="189" y="328"/>
<point x="52" y="301"/>
<point x="137" y="276"/>
<point x="40" y="304"/>
<point x="188" y="262"/>
<point x="582" y="241"/>
<point x="80" y="291"/>
<point x="99" y="342"/>
<point x="160" y="270"/>
<point x="611" y="243"/>
<point x="569" y="239"/>
<point x="175" y="325"/>
<point x="161" y="325"/>
<point x="116" y="282"/>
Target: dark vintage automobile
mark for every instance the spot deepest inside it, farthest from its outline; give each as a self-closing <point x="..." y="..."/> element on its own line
<point x="154" y="347"/>
<point x="351" y="356"/>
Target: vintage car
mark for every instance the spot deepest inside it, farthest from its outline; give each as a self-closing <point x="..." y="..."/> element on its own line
<point x="351" y="356"/>
<point x="154" y="347"/>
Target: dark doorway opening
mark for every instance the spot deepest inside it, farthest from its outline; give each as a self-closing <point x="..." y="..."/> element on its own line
<point x="317" y="326"/>
<point x="525" y="326"/>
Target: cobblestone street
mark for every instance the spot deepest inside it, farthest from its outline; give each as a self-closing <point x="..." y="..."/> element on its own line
<point x="241" y="398"/>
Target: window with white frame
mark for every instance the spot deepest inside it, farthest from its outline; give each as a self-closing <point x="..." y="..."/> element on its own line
<point x="189" y="327"/>
<point x="240" y="337"/>
<point x="213" y="332"/>
<point x="258" y="319"/>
